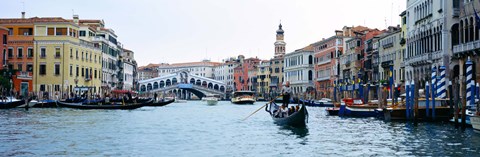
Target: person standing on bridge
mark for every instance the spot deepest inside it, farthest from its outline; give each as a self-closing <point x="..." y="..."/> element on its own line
<point x="155" y="96"/>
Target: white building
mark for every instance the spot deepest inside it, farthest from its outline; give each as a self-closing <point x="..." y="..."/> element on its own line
<point x="224" y="72"/>
<point x="428" y="37"/>
<point x="129" y="67"/>
<point x="204" y="68"/>
<point x="299" y="69"/>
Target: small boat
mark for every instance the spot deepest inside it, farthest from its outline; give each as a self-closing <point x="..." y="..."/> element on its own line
<point x="475" y="120"/>
<point x="297" y="119"/>
<point x="356" y="108"/>
<point x="243" y="97"/>
<point x="100" y="105"/>
<point x="42" y="103"/>
<point x="10" y="103"/>
<point x="333" y="111"/>
<point x="161" y="103"/>
<point x="211" y="99"/>
<point x="180" y="101"/>
<point x="324" y="102"/>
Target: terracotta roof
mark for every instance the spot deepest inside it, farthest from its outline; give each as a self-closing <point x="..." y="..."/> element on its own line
<point x="89" y="21"/>
<point x="32" y="20"/>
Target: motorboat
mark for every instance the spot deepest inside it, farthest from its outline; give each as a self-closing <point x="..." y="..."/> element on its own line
<point x="243" y="97"/>
<point x="211" y="99"/>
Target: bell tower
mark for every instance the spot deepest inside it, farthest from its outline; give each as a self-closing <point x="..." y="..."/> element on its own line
<point x="279" y="44"/>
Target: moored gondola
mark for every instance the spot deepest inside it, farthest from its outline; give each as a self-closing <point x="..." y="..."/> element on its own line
<point x="160" y="103"/>
<point x="108" y="106"/>
<point x="296" y="119"/>
<point x="7" y="104"/>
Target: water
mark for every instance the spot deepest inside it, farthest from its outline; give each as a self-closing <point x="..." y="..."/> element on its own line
<point x="195" y="129"/>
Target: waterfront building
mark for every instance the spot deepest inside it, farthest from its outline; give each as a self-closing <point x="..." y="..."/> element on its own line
<point x="430" y="26"/>
<point x="276" y="63"/>
<point x="18" y="51"/>
<point x="263" y="79"/>
<point x="204" y="68"/>
<point x="390" y="54"/>
<point x="224" y="72"/>
<point x="299" y="69"/>
<point x="105" y="38"/>
<point x="244" y="75"/>
<point x="147" y="72"/>
<point x="326" y="53"/>
<point x="63" y="62"/>
<point x="129" y="69"/>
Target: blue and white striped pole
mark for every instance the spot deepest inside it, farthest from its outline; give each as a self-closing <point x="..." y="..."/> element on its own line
<point x="427" y="97"/>
<point x="407" y="99"/>
<point x="390" y="83"/>
<point x="412" y="99"/>
<point x="441" y="88"/>
<point x="478" y="93"/>
<point x="434" y="79"/>
<point x="470" y="84"/>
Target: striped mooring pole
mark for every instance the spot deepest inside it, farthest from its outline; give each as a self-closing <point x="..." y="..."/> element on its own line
<point x="441" y="85"/>
<point x="407" y="101"/>
<point x="412" y="99"/>
<point x="433" y="85"/>
<point x="470" y="84"/>
<point x="427" y="98"/>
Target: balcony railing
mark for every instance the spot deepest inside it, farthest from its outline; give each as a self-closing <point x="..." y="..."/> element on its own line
<point x="457" y="49"/>
<point x="323" y="78"/>
<point x="324" y="61"/>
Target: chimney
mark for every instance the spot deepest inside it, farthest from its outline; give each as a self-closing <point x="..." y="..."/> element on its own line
<point x="23" y="15"/>
<point x="75" y="19"/>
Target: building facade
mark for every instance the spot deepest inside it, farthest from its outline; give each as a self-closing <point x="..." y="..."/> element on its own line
<point x="244" y="77"/>
<point x="299" y="70"/>
<point x="224" y="72"/>
<point x="263" y="80"/>
<point x="204" y="68"/>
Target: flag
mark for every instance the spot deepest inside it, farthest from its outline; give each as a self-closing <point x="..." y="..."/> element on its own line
<point x="477" y="18"/>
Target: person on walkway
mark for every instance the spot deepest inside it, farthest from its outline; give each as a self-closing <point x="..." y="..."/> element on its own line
<point x="155" y="96"/>
<point x="286" y="92"/>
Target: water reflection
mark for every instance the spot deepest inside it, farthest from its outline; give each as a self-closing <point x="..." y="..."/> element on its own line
<point x="300" y="132"/>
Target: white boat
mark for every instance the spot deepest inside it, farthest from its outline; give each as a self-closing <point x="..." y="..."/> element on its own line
<point x="243" y="97"/>
<point x="211" y="99"/>
<point x="180" y="101"/>
<point x="475" y="120"/>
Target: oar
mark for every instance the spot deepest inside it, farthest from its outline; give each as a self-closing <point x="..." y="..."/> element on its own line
<point x="260" y="108"/>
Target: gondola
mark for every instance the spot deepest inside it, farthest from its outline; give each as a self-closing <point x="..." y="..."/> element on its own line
<point x="43" y="104"/>
<point x="297" y="119"/>
<point x="160" y="103"/>
<point x="110" y="106"/>
<point x="7" y="104"/>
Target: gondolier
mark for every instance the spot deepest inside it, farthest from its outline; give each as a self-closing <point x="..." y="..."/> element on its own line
<point x="286" y="92"/>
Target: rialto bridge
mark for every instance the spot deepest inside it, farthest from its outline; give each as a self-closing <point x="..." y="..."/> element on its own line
<point x="183" y="84"/>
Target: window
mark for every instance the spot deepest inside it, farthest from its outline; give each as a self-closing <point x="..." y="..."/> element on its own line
<point x="42" y="88"/>
<point x="71" y="53"/>
<point x="30" y="52"/>
<point x="20" y="52"/>
<point x="71" y="70"/>
<point x="43" y="69"/>
<point x="95" y="75"/>
<point x="4" y="39"/>
<point x="43" y="52"/>
<point x="57" y="52"/>
<point x="82" y="33"/>
<point x="76" y="54"/>
<point x="57" y="88"/>
<point x="29" y="67"/>
<point x="10" y="52"/>
<point x="77" y="71"/>
<point x="10" y="31"/>
<point x="19" y="67"/>
<point x="83" y="71"/>
<point x="50" y="31"/>
<point x="57" y="69"/>
<point x="4" y="56"/>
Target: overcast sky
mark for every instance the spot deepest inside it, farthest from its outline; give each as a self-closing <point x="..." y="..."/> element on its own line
<point x="171" y="31"/>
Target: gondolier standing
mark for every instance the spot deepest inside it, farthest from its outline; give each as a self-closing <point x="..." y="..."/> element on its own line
<point x="286" y="92"/>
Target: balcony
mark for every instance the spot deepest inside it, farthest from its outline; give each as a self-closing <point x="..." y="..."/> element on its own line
<point x="323" y="78"/>
<point x="461" y="48"/>
<point x="324" y="61"/>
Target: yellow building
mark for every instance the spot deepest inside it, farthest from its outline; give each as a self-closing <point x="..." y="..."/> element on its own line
<point x="63" y="61"/>
<point x="263" y="80"/>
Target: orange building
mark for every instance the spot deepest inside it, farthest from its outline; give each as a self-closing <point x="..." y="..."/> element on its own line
<point x="19" y="54"/>
<point x="3" y="44"/>
<point x="245" y="74"/>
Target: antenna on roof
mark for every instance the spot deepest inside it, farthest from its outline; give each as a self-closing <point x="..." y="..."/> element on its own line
<point x="23" y="6"/>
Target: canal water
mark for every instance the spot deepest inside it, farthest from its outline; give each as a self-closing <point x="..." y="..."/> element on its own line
<point x="195" y="129"/>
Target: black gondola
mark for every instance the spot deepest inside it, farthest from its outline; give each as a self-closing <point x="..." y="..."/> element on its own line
<point x="109" y="106"/>
<point x="6" y="104"/>
<point x="160" y="103"/>
<point x="297" y="119"/>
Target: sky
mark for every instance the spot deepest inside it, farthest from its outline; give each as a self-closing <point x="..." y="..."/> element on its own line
<point x="174" y="31"/>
